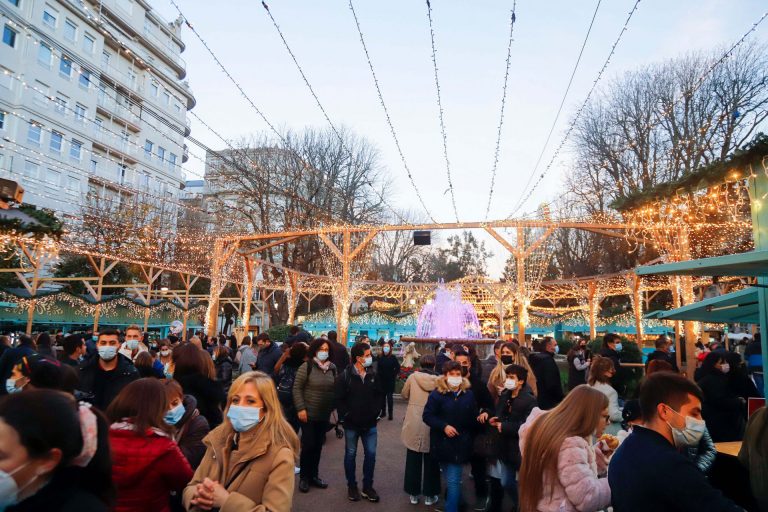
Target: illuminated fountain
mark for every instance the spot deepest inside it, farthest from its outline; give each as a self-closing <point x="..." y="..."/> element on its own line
<point x="447" y="317"/>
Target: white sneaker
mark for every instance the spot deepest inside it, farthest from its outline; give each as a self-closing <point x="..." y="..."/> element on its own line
<point x="431" y="500"/>
<point x="296" y="470"/>
<point x="414" y="500"/>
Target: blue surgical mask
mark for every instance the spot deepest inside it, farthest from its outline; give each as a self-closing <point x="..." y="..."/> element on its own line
<point x="368" y="361"/>
<point x="173" y="416"/>
<point x="10" y="386"/>
<point x="690" y="434"/>
<point x="618" y="347"/>
<point x="9" y="489"/>
<point x="95" y="337"/>
<point x="243" y="418"/>
<point x="322" y="355"/>
<point x="107" y="352"/>
<point x="386" y="349"/>
<point x="132" y="344"/>
<point x="557" y="349"/>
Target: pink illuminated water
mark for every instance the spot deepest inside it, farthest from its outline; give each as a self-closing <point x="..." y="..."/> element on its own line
<point x="448" y="317"/>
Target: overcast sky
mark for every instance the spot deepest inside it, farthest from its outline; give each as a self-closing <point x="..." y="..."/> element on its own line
<point x="471" y="39"/>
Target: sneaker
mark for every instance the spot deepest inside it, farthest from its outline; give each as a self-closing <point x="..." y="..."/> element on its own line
<point x="352" y="493"/>
<point x="431" y="500"/>
<point x="303" y="485"/>
<point x="414" y="500"/>
<point x="318" y="482"/>
<point x="370" y="494"/>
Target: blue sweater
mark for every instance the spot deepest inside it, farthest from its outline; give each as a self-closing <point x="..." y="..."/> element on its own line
<point x="647" y="473"/>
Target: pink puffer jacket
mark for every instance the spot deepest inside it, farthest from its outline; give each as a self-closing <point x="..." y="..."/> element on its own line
<point x="580" y="466"/>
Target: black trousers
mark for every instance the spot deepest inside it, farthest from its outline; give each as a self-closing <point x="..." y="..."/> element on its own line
<point x="479" y="467"/>
<point x="312" y="440"/>
<point x="422" y="474"/>
<point x="387" y="402"/>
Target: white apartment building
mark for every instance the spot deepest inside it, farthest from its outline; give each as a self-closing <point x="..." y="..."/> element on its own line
<point x="92" y="100"/>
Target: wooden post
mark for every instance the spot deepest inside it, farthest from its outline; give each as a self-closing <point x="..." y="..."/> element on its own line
<point x="522" y="314"/>
<point x="249" y="276"/>
<point x="293" y="298"/>
<point x="99" y="290"/>
<point x="687" y="296"/>
<point x="36" y="262"/>
<point x="591" y="297"/>
<point x="637" y="306"/>
<point x="500" y="314"/>
<point x="345" y="284"/>
<point x="676" y="304"/>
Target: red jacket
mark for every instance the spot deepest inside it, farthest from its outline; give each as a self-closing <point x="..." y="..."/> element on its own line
<point x="146" y="469"/>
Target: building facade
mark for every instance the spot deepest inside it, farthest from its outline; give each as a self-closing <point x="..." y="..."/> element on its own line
<point x="92" y="101"/>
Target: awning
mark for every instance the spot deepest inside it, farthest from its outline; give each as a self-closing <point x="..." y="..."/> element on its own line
<point x="741" y="306"/>
<point x="752" y="264"/>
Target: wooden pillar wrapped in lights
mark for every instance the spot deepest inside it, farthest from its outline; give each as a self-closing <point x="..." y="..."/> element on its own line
<point x="687" y="295"/>
<point x="249" y="275"/>
<point x="593" y="303"/>
<point x="36" y="258"/>
<point x="101" y="269"/>
<point x="636" y="284"/>
<point x="221" y="255"/>
<point x="675" y="305"/>
<point x="292" y="295"/>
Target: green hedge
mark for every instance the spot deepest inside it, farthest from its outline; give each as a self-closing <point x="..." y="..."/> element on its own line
<point x="278" y="332"/>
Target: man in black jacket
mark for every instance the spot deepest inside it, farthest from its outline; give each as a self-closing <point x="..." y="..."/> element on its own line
<point x="339" y="355"/>
<point x="648" y="472"/>
<point x="548" y="383"/>
<point x="358" y="401"/>
<point x="268" y="355"/>
<point x="662" y="353"/>
<point x="103" y="376"/>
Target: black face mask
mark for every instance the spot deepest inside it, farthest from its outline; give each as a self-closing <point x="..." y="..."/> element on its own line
<point x="507" y="359"/>
<point x="464" y="371"/>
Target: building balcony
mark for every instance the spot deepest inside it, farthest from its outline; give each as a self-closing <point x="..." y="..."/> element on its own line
<point x="110" y="107"/>
<point x="185" y="155"/>
<point x="115" y="144"/>
<point x="187" y="127"/>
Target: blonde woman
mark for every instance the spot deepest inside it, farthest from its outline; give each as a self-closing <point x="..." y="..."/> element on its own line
<point x="562" y="471"/>
<point x="249" y="459"/>
<point x="600" y="376"/>
<point x="509" y="354"/>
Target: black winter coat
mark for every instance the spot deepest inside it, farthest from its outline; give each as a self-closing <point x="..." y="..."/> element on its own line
<point x="223" y="366"/>
<point x="512" y="413"/>
<point x="548" y="384"/>
<point x="190" y="431"/>
<point x="99" y="387"/>
<point x="722" y="409"/>
<point x="339" y="355"/>
<point x="482" y="393"/>
<point x="388" y="368"/>
<point x="662" y="356"/>
<point x="459" y="410"/>
<point x="267" y="359"/>
<point x="64" y="493"/>
<point x="612" y="355"/>
<point x="358" y="401"/>
<point x="209" y="394"/>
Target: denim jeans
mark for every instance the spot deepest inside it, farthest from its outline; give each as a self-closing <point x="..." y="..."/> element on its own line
<point x="368" y="437"/>
<point x="452" y="474"/>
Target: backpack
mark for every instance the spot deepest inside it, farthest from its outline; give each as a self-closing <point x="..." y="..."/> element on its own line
<point x="287" y="376"/>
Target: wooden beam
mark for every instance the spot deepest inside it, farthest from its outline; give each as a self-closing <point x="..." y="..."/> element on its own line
<point x="264" y="247"/>
<point x="503" y="241"/>
<point x="535" y="245"/>
<point x="328" y="242"/>
<point x="24" y="281"/>
<point x="362" y="244"/>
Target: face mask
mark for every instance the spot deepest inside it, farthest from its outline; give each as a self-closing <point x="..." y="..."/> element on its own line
<point x="510" y="384"/>
<point x="153" y="346"/>
<point x="165" y="353"/>
<point x="454" y="381"/>
<point x="557" y="349"/>
<point x="9" y="489"/>
<point x="368" y="361"/>
<point x="107" y="353"/>
<point x="132" y="344"/>
<point x="173" y="416"/>
<point x="618" y="347"/>
<point x="507" y="359"/>
<point x="243" y="418"/>
<point x="464" y="371"/>
<point x="690" y="435"/>
<point x="386" y="349"/>
<point x="322" y="356"/>
<point x="725" y="368"/>
<point x="95" y="337"/>
<point x="10" y="386"/>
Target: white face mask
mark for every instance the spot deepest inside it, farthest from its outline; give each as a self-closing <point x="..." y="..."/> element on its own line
<point x="368" y="361"/>
<point x="690" y="434"/>
<point x="510" y="384"/>
<point x="9" y="489"/>
<point x="322" y="356"/>
<point x="165" y="352"/>
<point x="725" y="368"/>
<point x="454" y="381"/>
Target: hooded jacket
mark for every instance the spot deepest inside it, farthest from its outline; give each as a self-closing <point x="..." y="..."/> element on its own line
<point x="457" y="409"/>
<point x="125" y="351"/>
<point x="268" y="358"/>
<point x="190" y="432"/>
<point x="145" y="468"/>
<point x="415" y="433"/>
<point x="358" y="399"/>
<point x="99" y="387"/>
<point x="258" y="475"/>
<point x="512" y="412"/>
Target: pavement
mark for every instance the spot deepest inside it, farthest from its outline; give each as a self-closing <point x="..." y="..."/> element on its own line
<point x="388" y="476"/>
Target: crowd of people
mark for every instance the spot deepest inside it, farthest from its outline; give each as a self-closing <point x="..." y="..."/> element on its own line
<point x="116" y="421"/>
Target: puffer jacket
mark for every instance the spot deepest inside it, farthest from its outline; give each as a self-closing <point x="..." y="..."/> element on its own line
<point x="190" y="432"/>
<point x="415" y="433"/>
<point x="580" y="485"/>
<point x="457" y="409"/>
<point x="512" y="413"/>
<point x="315" y="393"/>
<point x="145" y="468"/>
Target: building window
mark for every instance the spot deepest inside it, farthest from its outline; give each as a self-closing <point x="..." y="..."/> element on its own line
<point x="105" y="56"/>
<point x="70" y="31"/>
<point x="14" y="2"/>
<point x="9" y="36"/>
<point x="148" y="149"/>
<point x="31" y="169"/>
<point x="132" y="80"/>
<point x="89" y="44"/>
<point x="56" y="141"/>
<point x="161" y="154"/>
<point x="85" y="78"/>
<point x="166" y="98"/>
<point x="121" y="173"/>
<point x="60" y="104"/>
<point x="65" y="67"/>
<point x="52" y="176"/>
<point x="177" y="107"/>
<point x="2" y="120"/>
<point x="94" y="165"/>
<point x="73" y="183"/>
<point x="144" y="181"/>
<point x="44" y="55"/>
<point x="172" y="161"/>
<point x="49" y="17"/>
<point x="80" y="113"/>
<point x="34" y="133"/>
<point x="153" y="89"/>
<point x="75" y="149"/>
<point x="6" y="78"/>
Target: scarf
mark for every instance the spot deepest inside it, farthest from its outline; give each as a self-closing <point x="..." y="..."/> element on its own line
<point x="325" y="366"/>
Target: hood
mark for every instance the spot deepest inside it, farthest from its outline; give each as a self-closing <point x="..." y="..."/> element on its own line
<point x="190" y="409"/>
<point x="441" y="384"/>
<point x="124" y="350"/>
<point x="426" y="381"/>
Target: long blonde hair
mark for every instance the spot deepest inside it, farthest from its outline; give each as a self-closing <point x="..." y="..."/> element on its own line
<point x="497" y="377"/>
<point x="578" y="415"/>
<point x="278" y="429"/>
